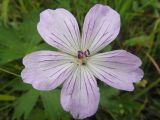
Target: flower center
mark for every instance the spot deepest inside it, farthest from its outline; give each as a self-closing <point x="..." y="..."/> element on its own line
<point x="82" y="57"/>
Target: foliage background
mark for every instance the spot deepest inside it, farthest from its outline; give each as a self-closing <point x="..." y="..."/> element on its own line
<point x="140" y="34"/>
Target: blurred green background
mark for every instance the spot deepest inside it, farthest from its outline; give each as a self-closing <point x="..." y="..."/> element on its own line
<point x="140" y="34"/>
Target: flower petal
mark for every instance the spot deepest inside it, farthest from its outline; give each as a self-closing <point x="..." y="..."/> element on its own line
<point x="80" y="94"/>
<point x="118" y="69"/>
<point x="59" y="28"/>
<point x="46" y="70"/>
<point x="117" y="59"/>
<point x="101" y="26"/>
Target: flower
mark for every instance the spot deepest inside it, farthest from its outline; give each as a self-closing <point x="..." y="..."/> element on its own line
<point x="77" y="65"/>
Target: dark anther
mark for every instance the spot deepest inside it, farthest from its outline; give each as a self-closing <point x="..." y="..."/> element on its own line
<point x="88" y="52"/>
<point x="83" y="63"/>
<point x="80" y="54"/>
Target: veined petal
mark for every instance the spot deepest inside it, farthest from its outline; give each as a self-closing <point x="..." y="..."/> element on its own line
<point x="117" y="59"/>
<point x="80" y="94"/>
<point x="101" y="26"/>
<point x="118" y="69"/>
<point x="59" y="28"/>
<point x="46" y="70"/>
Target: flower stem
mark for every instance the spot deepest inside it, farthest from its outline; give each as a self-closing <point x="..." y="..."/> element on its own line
<point x="153" y="84"/>
<point x="9" y="72"/>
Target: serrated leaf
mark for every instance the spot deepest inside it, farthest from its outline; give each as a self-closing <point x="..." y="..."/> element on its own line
<point x="25" y="104"/>
<point x="9" y="45"/>
<point x="53" y="109"/>
<point x="15" y="44"/>
<point x="28" y="32"/>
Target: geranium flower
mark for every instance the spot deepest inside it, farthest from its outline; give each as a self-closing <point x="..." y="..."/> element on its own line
<point x="78" y="64"/>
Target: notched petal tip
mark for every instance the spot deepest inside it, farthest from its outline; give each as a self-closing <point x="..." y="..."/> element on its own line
<point x="80" y="94"/>
<point x="45" y="70"/>
<point x="23" y="75"/>
<point x="105" y="9"/>
<point x="30" y="76"/>
<point x="59" y="29"/>
<point x="134" y="59"/>
<point x="119" y="69"/>
<point x="137" y="75"/>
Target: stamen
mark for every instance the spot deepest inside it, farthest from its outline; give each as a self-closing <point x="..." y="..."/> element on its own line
<point x="82" y="57"/>
<point x="82" y="54"/>
<point x="87" y="53"/>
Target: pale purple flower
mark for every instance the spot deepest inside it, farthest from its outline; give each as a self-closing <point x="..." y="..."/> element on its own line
<point x="78" y="64"/>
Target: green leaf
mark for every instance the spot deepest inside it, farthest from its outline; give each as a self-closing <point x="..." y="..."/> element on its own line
<point x="10" y="45"/>
<point x="37" y="114"/>
<point x="107" y="48"/>
<point x="28" y="32"/>
<point x="19" y="85"/>
<point x="53" y="109"/>
<point x="25" y="104"/>
<point x="140" y="40"/>
<point x="7" y="97"/>
<point x="4" y="12"/>
<point x="15" y="44"/>
<point x="125" y="7"/>
<point x="107" y="93"/>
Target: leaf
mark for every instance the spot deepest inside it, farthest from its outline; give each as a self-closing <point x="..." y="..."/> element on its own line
<point x="37" y="114"/>
<point x="4" y="12"/>
<point x="53" y="109"/>
<point x="125" y="10"/>
<point x="107" y="48"/>
<point x="107" y="93"/>
<point x="125" y="7"/>
<point x="127" y="107"/>
<point x="140" y="40"/>
<point x="9" y="45"/>
<point x="128" y="103"/>
<point x="15" y="44"/>
<point x="19" y="85"/>
<point x="7" y="97"/>
<point x="25" y="104"/>
<point x="28" y="32"/>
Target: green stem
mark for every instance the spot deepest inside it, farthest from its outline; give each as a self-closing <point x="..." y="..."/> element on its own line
<point x="9" y="72"/>
<point x="142" y="107"/>
<point x="5" y="107"/>
<point x="7" y="84"/>
<point x="153" y="84"/>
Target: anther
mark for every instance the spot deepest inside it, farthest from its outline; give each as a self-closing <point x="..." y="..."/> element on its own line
<point x="80" y="54"/>
<point x="87" y="53"/>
